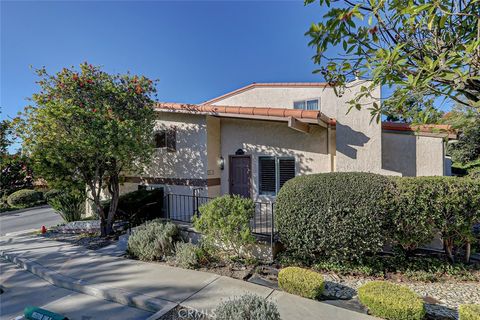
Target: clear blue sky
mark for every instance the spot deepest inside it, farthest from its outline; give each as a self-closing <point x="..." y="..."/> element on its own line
<point x="198" y="50"/>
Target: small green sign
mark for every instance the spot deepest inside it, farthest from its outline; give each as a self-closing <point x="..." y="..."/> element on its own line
<point x="35" y="313"/>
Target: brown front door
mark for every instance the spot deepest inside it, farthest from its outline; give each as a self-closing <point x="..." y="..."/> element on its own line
<point x="240" y="175"/>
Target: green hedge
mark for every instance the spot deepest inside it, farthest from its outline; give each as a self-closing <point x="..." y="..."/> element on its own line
<point x="302" y="282"/>
<point x="337" y="216"/>
<point x="423" y="206"/>
<point x="25" y="198"/>
<point x="391" y="301"/>
<point x="469" y="312"/>
<point x="226" y="220"/>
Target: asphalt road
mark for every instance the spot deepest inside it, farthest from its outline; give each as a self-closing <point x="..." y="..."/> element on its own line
<point x="21" y="289"/>
<point x="14" y="221"/>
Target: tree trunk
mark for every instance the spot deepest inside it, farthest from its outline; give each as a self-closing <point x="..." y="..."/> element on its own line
<point x="468" y="251"/>
<point x="448" y="244"/>
<point x="114" y="189"/>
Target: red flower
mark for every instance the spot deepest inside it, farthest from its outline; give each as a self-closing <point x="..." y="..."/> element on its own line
<point x="94" y="110"/>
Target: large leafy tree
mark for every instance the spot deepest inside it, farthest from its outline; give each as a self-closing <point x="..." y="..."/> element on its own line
<point x="87" y="125"/>
<point x="422" y="49"/>
<point x="465" y="151"/>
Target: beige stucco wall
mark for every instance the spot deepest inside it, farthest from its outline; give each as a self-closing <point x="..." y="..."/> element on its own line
<point x="213" y="153"/>
<point x="283" y="97"/>
<point x="268" y="138"/>
<point x="413" y="155"/>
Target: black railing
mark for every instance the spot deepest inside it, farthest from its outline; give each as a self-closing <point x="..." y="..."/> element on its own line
<point x="182" y="208"/>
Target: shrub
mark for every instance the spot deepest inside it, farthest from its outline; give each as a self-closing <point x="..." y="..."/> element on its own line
<point x="138" y="206"/>
<point x="248" y="306"/>
<point x="339" y="216"/>
<point x="186" y="255"/>
<point x="302" y="282"/>
<point x="52" y="193"/>
<point x="152" y="240"/>
<point x="391" y="301"/>
<point x="25" y="198"/>
<point x="225" y="221"/>
<point x="423" y="206"/>
<point x="469" y="312"/>
<point x="70" y="205"/>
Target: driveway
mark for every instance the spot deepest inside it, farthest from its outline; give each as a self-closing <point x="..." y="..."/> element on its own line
<point x="21" y="288"/>
<point x="20" y="220"/>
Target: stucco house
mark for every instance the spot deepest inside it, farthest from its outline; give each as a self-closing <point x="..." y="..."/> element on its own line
<point x="251" y="140"/>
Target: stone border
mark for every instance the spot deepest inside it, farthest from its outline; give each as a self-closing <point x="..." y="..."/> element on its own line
<point x="118" y="295"/>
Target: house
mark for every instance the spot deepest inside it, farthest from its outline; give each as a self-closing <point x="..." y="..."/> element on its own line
<point x="252" y="140"/>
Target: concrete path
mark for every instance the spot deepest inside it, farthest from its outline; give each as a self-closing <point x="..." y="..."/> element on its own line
<point x="26" y="219"/>
<point x="21" y="288"/>
<point x="149" y="286"/>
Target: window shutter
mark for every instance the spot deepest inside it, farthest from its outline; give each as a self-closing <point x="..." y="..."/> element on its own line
<point x="286" y="170"/>
<point x="267" y="175"/>
<point x="160" y="139"/>
<point x="172" y="140"/>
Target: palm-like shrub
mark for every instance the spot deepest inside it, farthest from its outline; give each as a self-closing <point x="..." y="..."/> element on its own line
<point x="69" y="205"/>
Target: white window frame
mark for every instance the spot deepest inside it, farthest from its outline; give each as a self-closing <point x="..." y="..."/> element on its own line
<point x="305" y="103"/>
<point x="277" y="173"/>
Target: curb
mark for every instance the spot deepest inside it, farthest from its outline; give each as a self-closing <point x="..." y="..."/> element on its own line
<point x="20" y="233"/>
<point x="6" y="213"/>
<point x="121" y="296"/>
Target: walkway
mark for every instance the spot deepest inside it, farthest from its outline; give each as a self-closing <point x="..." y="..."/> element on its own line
<point x="149" y="286"/>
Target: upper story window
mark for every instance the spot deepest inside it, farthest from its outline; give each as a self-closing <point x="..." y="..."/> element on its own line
<point x="166" y="139"/>
<point x="311" y="104"/>
<point x="274" y="172"/>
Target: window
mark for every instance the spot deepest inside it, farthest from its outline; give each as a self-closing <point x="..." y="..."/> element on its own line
<point x="274" y="172"/>
<point x="312" y="104"/>
<point x="166" y="139"/>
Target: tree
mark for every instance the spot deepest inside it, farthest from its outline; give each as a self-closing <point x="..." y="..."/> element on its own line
<point x="5" y="131"/>
<point x="467" y="148"/>
<point x="90" y="126"/>
<point x="421" y="49"/>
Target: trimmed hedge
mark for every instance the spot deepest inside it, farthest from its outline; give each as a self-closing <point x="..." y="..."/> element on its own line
<point x="25" y="198"/>
<point x="338" y="216"/>
<point x="249" y="307"/>
<point x="424" y="206"/>
<point x="51" y="194"/>
<point x="469" y="312"/>
<point x="302" y="282"/>
<point x="391" y="301"/>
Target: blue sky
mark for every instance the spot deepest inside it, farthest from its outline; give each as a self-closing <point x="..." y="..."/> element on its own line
<point x="198" y="50"/>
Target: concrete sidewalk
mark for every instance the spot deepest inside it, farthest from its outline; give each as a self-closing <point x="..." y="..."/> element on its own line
<point x="149" y="286"/>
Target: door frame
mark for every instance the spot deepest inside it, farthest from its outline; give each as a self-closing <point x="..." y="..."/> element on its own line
<point x="230" y="157"/>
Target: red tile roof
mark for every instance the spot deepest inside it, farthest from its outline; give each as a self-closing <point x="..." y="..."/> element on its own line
<point x="251" y="112"/>
<point x="269" y="85"/>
